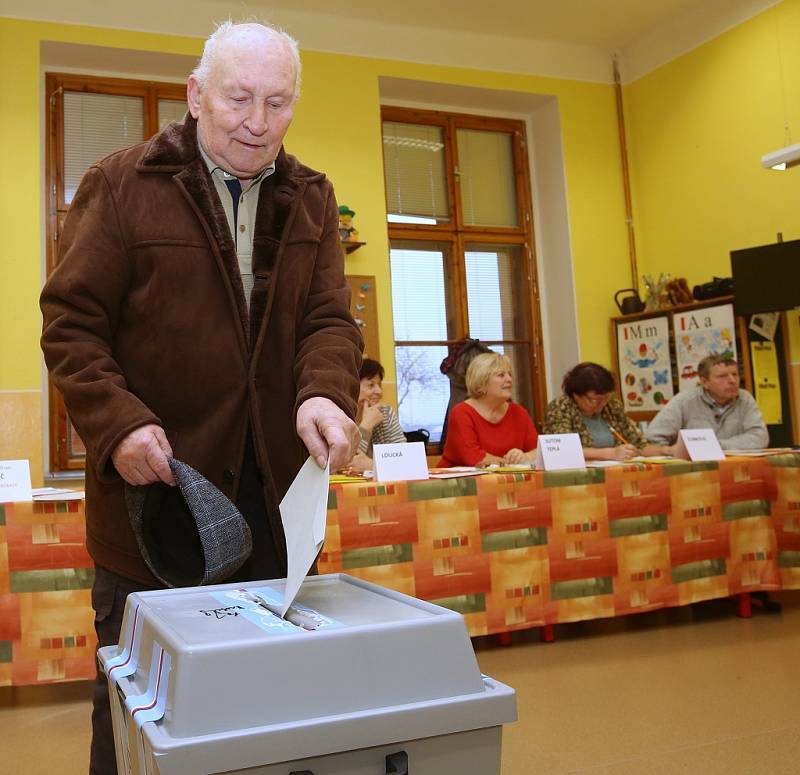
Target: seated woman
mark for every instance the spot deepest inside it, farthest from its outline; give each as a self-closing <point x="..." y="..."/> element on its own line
<point x="589" y="409"/>
<point x="489" y="427"/>
<point x="377" y="422"/>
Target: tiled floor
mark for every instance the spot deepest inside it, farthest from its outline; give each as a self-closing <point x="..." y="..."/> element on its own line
<point x="691" y="690"/>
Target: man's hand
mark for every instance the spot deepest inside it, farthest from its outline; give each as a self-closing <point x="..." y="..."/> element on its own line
<point x="141" y="457"/>
<point x="327" y="430"/>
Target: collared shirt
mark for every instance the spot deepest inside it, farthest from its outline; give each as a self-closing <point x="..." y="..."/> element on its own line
<point x="718" y="409"/>
<point x="243" y="224"/>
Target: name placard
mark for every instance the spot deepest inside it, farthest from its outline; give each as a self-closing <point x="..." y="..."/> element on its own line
<point x="698" y="444"/>
<point x="557" y="452"/>
<point x="400" y="462"/>
<point x="15" y="481"/>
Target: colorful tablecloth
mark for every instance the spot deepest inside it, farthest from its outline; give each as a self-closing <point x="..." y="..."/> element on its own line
<point x="46" y="618"/>
<point x="519" y="550"/>
<point x="509" y="551"/>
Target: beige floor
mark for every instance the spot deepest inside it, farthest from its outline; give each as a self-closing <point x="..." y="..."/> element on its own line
<point x="692" y="690"/>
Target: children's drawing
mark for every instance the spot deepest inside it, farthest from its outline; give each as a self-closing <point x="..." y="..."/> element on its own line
<point x="644" y="363"/>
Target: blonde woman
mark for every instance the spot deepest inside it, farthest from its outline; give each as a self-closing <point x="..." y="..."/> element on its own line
<point x="489" y="427"/>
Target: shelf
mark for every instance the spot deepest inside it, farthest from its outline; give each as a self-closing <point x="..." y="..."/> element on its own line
<point x="350" y="245"/>
<point x="676" y="308"/>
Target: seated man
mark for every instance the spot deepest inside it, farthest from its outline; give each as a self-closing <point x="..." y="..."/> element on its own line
<point x="718" y="404"/>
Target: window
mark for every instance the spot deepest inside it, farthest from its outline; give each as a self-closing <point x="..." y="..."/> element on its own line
<point x="87" y="119"/>
<point x="461" y="254"/>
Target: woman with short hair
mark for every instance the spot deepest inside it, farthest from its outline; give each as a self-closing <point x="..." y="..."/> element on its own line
<point x="489" y="428"/>
<point x="377" y="422"/>
<point x="589" y="408"/>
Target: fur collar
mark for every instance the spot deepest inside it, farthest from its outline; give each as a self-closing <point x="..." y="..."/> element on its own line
<point x="175" y="147"/>
<point x="174" y="151"/>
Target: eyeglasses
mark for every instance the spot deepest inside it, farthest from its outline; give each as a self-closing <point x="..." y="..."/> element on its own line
<point x="596" y="400"/>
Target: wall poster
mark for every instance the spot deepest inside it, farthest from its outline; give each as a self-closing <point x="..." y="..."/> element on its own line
<point x="766" y="381"/>
<point x="644" y="363"/>
<point x="707" y="331"/>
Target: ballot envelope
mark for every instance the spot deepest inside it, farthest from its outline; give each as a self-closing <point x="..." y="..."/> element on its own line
<point x="356" y="680"/>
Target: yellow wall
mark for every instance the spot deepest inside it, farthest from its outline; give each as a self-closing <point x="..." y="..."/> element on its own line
<point x="337" y="129"/>
<point x="697" y="129"/>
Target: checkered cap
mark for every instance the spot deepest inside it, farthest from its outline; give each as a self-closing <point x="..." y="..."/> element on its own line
<point x="191" y="534"/>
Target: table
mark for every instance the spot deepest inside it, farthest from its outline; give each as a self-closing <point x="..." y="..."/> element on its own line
<point x="520" y="550"/>
<point x="509" y="551"/>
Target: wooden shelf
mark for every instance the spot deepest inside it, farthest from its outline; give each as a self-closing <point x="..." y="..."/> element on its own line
<point x="676" y="308"/>
<point x="350" y="245"/>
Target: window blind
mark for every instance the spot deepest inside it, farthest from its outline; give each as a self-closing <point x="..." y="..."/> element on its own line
<point x="419" y="307"/>
<point x="414" y="170"/>
<point x="169" y="111"/>
<point x="495" y="277"/>
<point x="486" y="177"/>
<point x="96" y="125"/>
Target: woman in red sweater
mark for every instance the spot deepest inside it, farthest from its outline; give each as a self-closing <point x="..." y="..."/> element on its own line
<point x="489" y="427"/>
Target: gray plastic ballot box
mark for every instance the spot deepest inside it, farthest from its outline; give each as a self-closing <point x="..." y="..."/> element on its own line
<point x="361" y="680"/>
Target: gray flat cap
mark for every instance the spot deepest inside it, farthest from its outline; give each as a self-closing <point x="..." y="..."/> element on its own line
<point x="191" y="534"/>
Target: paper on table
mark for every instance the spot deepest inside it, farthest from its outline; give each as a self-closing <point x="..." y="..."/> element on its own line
<point x="758" y="452"/>
<point x="57" y="494"/>
<point x="304" y="512"/>
<point x="455" y="472"/>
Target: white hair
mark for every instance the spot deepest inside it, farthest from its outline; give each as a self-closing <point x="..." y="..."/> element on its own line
<point x="208" y="60"/>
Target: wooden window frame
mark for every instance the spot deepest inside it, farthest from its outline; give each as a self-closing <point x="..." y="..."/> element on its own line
<point x="459" y="235"/>
<point x="55" y="85"/>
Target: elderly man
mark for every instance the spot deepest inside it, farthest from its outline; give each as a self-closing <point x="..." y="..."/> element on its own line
<point x="718" y="404"/>
<point x="200" y="310"/>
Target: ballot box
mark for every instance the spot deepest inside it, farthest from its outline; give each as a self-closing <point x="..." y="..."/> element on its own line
<point x="357" y="680"/>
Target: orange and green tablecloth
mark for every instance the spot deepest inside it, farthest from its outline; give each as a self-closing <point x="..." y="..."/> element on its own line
<point x="517" y="550"/>
<point x="509" y="551"/>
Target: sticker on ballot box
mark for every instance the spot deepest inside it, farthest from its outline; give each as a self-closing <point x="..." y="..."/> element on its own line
<point x="261" y="605"/>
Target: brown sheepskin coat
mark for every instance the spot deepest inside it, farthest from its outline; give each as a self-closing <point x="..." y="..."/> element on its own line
<point x="145" y="322"/>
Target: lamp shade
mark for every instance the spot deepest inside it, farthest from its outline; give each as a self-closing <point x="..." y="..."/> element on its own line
<point x="782" y="158"/>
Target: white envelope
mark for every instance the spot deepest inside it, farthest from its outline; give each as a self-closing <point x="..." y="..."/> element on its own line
<point x="304" y="514"/>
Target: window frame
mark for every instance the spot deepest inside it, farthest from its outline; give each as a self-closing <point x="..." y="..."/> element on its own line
<point x="459" y="235"/>
<point x="60" y="459"/>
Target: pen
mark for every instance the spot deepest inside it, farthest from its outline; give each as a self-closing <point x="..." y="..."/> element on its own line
<point x="617" y="435"/>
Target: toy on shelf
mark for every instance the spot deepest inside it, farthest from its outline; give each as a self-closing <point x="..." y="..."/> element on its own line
<point x="347" y="232"/>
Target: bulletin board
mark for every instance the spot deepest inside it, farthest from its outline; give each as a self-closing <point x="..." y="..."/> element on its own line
<point x="364" y="309"/>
